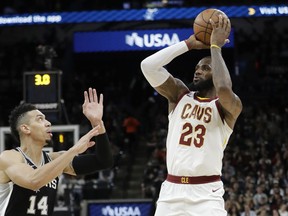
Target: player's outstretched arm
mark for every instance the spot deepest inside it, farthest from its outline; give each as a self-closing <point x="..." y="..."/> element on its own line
<point x="22" y="174"/>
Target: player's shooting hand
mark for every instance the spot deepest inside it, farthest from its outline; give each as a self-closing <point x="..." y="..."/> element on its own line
<point x="92" y="107"/>
<point x="193" y="43"/>
<point x="220" y="31"/>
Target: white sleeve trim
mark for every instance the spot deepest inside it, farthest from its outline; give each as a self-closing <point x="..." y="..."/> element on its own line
<point x="153" y="66"/>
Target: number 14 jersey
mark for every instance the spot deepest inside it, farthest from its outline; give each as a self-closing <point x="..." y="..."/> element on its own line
<point x="19" y="201"/>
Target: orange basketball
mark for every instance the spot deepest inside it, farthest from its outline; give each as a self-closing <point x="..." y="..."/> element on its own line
<point x="202" y="27"/>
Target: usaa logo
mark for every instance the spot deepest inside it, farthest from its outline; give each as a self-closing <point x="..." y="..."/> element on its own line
<point x="151" y="40"/>
<point x="121" y="211"/>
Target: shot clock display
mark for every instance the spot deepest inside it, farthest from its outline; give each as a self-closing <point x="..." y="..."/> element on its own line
<point x="43" y="88"/>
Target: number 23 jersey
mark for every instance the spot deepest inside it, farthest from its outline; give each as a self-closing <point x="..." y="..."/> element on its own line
<point x="197" y="137"/>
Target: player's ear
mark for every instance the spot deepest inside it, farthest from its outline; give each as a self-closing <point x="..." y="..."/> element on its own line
<point x="23" y="128"/>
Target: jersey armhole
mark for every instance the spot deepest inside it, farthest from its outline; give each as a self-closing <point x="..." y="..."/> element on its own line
<point x="179" y="98"/>
<point x="220" y="111"/>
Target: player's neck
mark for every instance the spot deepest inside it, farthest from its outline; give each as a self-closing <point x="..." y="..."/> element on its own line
<point x="33" y="152"/>
<point x="209" y="93"/>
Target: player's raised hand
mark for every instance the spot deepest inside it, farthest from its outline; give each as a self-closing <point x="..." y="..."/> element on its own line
<point x="219" y="34"/>
<point x="92" y="106"/>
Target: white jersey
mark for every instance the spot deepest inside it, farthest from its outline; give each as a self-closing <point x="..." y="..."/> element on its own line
<point x="197" y="137"/>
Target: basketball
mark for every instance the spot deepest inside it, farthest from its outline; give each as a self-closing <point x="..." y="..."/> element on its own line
<point x="202" y="27"/>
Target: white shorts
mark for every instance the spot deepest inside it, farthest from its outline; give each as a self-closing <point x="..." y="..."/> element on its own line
<point x="191" y="199"/>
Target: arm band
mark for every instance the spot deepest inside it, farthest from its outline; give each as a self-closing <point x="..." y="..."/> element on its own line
<point x="215" y="46"/>
<point x="102" y="158"/>
<point x="153" y="66"/>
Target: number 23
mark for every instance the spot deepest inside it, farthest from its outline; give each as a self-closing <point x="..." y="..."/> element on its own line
<point x="187" y="137"/>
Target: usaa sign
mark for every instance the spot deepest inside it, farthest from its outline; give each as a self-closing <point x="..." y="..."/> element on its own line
<point x="136" y="40"/>
<point x="119" y="208"/>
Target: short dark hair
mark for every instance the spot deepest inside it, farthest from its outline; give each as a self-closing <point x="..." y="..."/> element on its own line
<point x="16" y="114"/>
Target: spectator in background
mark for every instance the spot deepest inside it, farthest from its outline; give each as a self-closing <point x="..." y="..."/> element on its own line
<point x="131" y="126"/>
<point x="260" y="197"/>
<point x="248" y="211"/>
<point x="276" y="189"/>
<point x="106" y="177"/>
<point x="283" y="210"/>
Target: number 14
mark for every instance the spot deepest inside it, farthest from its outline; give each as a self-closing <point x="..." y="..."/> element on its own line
<point x="41" y="205"/>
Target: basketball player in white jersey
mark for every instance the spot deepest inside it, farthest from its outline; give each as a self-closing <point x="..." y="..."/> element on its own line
<point x="200" y="124"/>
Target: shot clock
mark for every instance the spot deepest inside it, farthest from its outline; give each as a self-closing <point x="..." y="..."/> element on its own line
<point x="43" y="89"/>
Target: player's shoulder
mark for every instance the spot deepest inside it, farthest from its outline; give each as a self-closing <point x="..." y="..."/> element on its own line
<point x="9" y="153"/>
<point x="9" y="157"/>
<point x="181" y="88"/>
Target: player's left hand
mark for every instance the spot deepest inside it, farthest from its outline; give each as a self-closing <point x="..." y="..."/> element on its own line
<point x="92" y="107"/>
<point x="219" y="33"/>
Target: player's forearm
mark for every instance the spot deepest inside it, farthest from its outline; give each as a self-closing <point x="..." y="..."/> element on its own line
<point x="104" y="151"/>
<point x="44" y="174"/>
<point x="166" y="55"/>
<point x="153" y="66"/>
<point x="221" y="76"/>
<point x="101" y="159"/>
<point x="102" y="128"/>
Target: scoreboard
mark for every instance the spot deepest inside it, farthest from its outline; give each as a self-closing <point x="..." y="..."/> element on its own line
<point x="43" y="89"/>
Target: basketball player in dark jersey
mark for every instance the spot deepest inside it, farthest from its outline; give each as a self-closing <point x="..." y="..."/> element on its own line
<point x="29" y="176"/>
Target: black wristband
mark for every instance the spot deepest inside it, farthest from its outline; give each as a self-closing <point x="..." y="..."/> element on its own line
<point x="102" y="139"/>
<point x="102" y="159"/>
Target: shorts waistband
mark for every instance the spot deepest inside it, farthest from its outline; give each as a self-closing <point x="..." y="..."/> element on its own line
<point x="193" y="180"/>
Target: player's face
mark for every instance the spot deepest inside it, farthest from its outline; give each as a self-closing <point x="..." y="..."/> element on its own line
<point x="203" y="75"/>
<point x="39" y="127"/>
